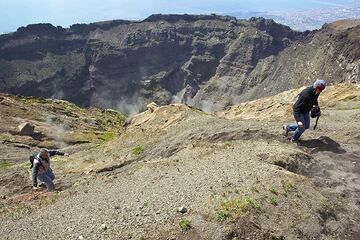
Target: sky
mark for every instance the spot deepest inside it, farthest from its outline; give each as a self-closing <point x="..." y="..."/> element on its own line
<point x="17" y="13"/>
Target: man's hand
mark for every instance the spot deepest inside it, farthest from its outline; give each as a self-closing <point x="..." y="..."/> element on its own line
<point x="66" y="155"/>
<point x="300" y="124"/>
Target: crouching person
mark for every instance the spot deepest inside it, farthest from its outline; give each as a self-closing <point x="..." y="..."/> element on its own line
<point x="307" y="100"/>
<point x="41" y="169"/>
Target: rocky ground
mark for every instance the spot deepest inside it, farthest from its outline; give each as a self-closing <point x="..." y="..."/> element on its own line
<point x="175" y="172"/>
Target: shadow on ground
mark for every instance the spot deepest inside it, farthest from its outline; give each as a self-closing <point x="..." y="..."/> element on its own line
<point x="321" y="144"/>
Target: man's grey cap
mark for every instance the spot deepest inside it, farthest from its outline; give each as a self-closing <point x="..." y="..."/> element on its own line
<point x="320" y="84"/>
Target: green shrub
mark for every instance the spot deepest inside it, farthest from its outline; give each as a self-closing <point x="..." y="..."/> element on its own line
<point x="185" y="224"/>
<point x="273" y="201"/>
<point x="234" y="208"/>
<point x="274" y="190"/>
<point x="138" y="150"/>
<point x="287" y="186"/>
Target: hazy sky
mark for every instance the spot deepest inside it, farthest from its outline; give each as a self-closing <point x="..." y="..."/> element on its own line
<point x="16" y="13"/>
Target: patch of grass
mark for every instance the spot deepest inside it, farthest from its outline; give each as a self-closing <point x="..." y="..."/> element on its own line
<point x="109" y="119"/>
<point x="138" y="150"/>
<point x="274" y="201"/>
<point x="35" y="100"/>
<point x="91" y="137"/>
<point x="274" y="190"/>
<point x="287" y="185"/>
<point x="13" y="211"/>
<point x="108" y="136"/>
<point x="4" y="164"/>
<point x="83" y="137"/>
<point x="53" y="197"/>
<point x="185" y="224"/>
<point x="234" y="208"/>
<point x="50" y="199"/>
<point x="252" y="203"/>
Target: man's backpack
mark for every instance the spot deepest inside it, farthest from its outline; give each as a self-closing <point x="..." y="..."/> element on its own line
<point x="32" y="157"/>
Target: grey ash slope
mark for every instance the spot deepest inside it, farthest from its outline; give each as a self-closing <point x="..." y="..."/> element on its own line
<point x="237" y="175"/>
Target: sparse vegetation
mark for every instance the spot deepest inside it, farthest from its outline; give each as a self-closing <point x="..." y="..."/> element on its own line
<point x="52" y="198"/>
<point x="82" y="137"/>
<point x="13" y="211"/>
<point x="4" y="164"/>
<point x="108" y="136"/>
<point x="146" y="204"/>
<point x="252" y="203"/>
<point x="185" y="224"/>
<point x="273" y="201"/>
<point x="91" y="136"/>
<point x="274" y="190"/>
<point x="287" y="186"/>
<point x="235" y="208"/>
<point x="138" y="150"/>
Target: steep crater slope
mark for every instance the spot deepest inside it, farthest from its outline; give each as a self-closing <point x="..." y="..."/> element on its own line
<point x="236" y="178"/>
<point x="28" y="124"/>
<point x="207" y="61"/>
<point x="332" y="53"/>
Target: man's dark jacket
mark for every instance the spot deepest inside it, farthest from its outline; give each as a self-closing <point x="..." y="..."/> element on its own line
<point x="306" y="100"/>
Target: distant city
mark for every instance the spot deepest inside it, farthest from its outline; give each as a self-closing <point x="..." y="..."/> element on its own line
<point x="305" y="19"/>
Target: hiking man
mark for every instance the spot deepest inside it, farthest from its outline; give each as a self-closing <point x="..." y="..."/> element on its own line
<point x="306" y="101"/>
<point x="41" y="168"/>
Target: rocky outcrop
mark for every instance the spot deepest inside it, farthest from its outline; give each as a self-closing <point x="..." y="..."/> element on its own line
<point x="26" y="129"/>
<point x="208" y="61"/>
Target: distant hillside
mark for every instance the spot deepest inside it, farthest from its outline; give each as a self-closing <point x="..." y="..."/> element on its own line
<point x="210" y="62"/>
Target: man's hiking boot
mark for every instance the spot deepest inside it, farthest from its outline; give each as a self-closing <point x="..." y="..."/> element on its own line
<point x="297" y="142"/>
<point x="286" y="130"/>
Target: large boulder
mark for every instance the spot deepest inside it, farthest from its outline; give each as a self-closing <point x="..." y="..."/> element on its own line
<point x="26" y="129"/>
